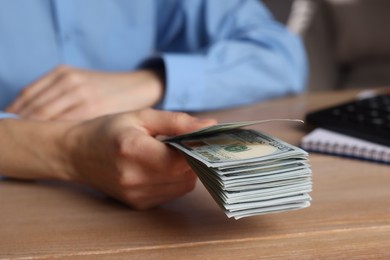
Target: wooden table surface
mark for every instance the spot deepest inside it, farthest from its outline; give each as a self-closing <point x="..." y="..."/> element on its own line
<point x="349" y="217"/>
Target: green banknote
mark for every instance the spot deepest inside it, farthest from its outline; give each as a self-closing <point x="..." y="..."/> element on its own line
<point x="234" y="147"/>
<point x="248" y="172"/>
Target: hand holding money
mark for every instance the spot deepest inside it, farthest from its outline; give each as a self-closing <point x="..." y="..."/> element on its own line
<point x="246" y="171"/>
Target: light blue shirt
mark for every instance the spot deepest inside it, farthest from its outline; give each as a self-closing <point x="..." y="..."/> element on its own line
<point x="217" y="54"/>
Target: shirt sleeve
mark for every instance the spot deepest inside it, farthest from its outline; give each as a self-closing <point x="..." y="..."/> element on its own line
<point x="7" y="115"/>
<point x="221" y="53"/>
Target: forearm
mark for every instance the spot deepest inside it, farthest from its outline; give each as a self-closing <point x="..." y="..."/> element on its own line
<point x="116" y="154"/>
<point x="244" y="57"/>
<point x="151" y="86"/>
<point x="32" y="149"/>
<point x="195" y="85"/>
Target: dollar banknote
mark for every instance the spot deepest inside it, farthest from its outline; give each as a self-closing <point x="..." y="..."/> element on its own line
<point x="248" y="172"/>
<point x="236" y="147"/>
<point x="229" y="126"/>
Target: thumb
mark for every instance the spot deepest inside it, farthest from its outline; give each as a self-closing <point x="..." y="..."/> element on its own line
<point x="171" y="123"/>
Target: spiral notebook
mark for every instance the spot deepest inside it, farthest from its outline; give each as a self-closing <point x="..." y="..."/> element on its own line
<point x="325" y="141"/>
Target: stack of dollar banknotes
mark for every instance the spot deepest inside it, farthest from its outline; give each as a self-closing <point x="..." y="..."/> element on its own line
<point x="248" y="172"/>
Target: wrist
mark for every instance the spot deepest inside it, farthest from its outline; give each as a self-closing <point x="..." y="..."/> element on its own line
<point x="73" y="143"/>
<point x="33" y="150"/>
<point x="153" y="81"/>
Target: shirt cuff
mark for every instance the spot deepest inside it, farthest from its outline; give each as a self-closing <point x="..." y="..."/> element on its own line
<point x="7" y="115"/>
<point x="185" y="81"/>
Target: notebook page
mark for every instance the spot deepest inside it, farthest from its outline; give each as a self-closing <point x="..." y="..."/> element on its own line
<point x="326" y="141"/>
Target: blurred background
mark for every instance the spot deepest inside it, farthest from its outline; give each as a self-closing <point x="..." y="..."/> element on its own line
<point x="347" y="41"/>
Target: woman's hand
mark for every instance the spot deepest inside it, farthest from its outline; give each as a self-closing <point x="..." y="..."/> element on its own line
<point x="75" y="94"/>
<point x="116" y="154"/>
<point x="120" y="156"/>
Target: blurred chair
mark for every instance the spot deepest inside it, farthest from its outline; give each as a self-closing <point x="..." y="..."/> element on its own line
<point x="347" y="41"/>
<point x="280" y="9"/>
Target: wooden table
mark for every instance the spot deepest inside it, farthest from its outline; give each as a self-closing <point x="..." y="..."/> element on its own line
<point x="349" y="217"/>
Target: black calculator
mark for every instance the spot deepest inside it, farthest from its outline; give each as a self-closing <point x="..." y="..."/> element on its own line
<point x="367" y="118"/>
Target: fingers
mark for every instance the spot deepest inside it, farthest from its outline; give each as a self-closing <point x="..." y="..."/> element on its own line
<point x="30" y="93"/>
<point x="160" y="172"/>
<point x="75" y="112"/>
<point x="64" y="94"/>
<point x="152" y="173"/>
<point x="54" y="100"/>
<point x="153" y="195"/>
<point x="53" y="108"/>
<point x="40" y="105"/>
<point x="157" y="162"/>
<point x="171" y="123"/>
<point x="128" y="163"/>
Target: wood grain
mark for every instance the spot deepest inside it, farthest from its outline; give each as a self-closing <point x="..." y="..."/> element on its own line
<point x="349" y="217"/>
